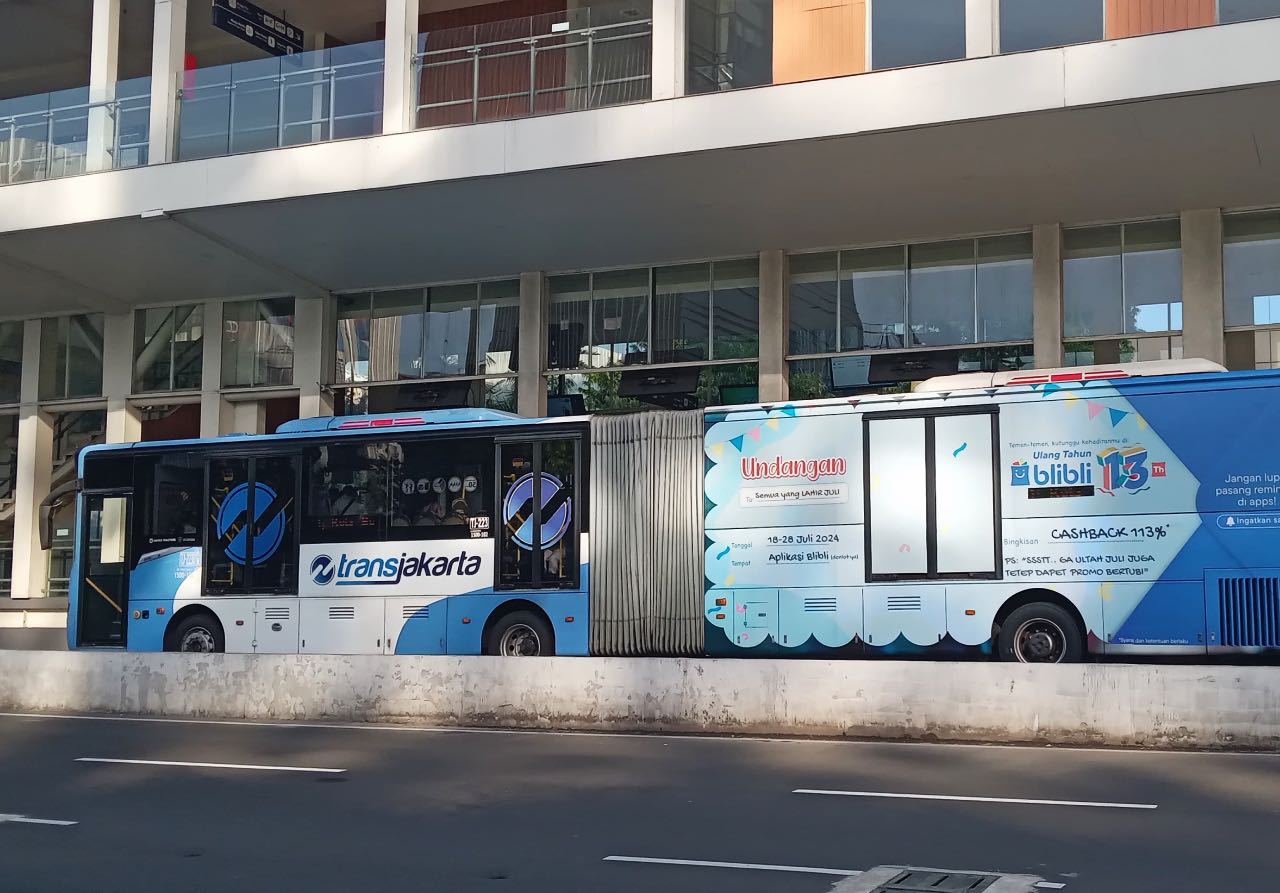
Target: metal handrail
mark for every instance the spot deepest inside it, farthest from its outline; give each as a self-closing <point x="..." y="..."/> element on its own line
<point x="52" y="117"/>
<point x="475" y="53"/>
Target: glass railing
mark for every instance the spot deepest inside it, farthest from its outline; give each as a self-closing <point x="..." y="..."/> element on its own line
<point x="47" y="136"/>
<point x="285" y="101"/>
<point x="564" y="61"/>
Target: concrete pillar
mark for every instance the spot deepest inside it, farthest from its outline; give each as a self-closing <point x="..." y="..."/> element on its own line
<point x="168" y="50"/>
<point x="124" y="421"/>
<point x="1202" y="334"/>
<point x="104" y="51"/>
<point x="775" y="326"/>
<point x="215" y="412"/>
<point x="313" y="355"/>
<point x="1046" y="264"/>
<point x="982" y="28"/>
<point x="399" y="90"/>
<point x="248" y="417"/>
<point x="531" y="387"/>
<point x="34" y="471"/>
<point x="668" y="67"/>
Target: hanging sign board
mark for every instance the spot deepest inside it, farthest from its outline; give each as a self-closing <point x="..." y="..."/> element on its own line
<point x="253" y="24"/>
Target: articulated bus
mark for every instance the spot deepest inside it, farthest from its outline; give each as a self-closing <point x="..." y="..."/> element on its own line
<point x="1037" y="516"/>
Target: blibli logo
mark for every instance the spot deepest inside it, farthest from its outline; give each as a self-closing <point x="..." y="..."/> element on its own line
<point x="1020" y="474"/>
<point x="1068" y="468"/>
<point x="388" y="571"/>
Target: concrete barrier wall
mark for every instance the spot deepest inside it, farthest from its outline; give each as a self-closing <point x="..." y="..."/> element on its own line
<point x="1114" y="704"/>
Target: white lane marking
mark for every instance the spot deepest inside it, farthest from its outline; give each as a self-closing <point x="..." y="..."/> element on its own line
<point x="205" y="765"/>
<point x="750" y="866"/>
<point x="468" y="730"/>
<point x="27" y="820"/>
<point x="1049" y="885"/>
<point x="889" y="796"/>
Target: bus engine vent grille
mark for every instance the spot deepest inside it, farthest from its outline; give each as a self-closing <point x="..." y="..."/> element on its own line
<point x="820" y="605"/>
<point x="904" y="603"/>
<point x="342" y="612"/>
<point x="1249" y="609"/>
<point x="412" y="610"/>
<point x="275" y="613"/>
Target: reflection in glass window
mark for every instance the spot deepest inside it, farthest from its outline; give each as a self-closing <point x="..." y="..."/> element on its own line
<point x="610" y="391"/>
<point x="498" y="328"/>
<point x="257" y="343"/>
<point x="1034" y="24"/>
<point x="1092" y="299"/>
<point x="873" y="299"/>
<point x="729" y="44"/>
<point x="1123" y="350"/>
<point x="1247" y="10"/>
<point x="881" y="373"/>
<point x="440" y="489"/>
<point x="735" y="309"/>
<point x="347" y="496"/>
<point x="71" y="356"/>
<point x="569" y="321"/>
<point x="1254" y="349"/>
<point x="11" y="335"/>
<point x="172" y="490"/>
<point x="915" y="32"/>
<point x="814" y="288"/>
<point x="167" y="348"/>
<point x="681" y="313"/>
<point x="352" y="354"/>
<point x="449" y="336"/>
<point x="942" y="287"/>
<point x="395" y="335"/>
<point x="1251" y="269"/>
<point x="619" y="317"/>
<point x="1005" y="288"/>
<point x="1153" y="277"/>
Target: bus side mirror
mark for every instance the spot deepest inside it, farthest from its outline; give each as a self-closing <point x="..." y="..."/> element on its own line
<point x="50" y="505"/>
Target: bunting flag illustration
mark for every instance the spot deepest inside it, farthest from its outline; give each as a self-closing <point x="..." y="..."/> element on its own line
<point x="1094" y="409"/>
<point x="1117" y="416"/>
<point x="754" y="433"/>
<point x="737" y="442"/>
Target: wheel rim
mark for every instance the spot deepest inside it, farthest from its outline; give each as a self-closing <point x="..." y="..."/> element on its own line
<point x="198" y="639"/>
<point x="1039" y="641"/>
<point x="520" y="640"/>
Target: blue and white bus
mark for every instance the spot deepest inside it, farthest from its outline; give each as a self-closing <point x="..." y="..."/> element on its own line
<point x="1036" y="516"/>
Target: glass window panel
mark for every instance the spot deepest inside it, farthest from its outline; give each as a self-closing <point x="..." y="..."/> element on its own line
<point x="274" y="339"/>
<point x="681" y="308"/>
<point x="873" y="298"/>
<point x="620" y="317"/>
<point x="568" y="345"/>
<point x="227" y="548"/>
<point x="499" y="327"/>
<point x="914" y="32"/>
<point x="1247" y="10"/>
<point x="274" y="525"/>
<point x="395" y="335"/>
<point x="964" y="496"/>
<point x="1092" y="303"/>
<point x="84" y="355"/>
<point x="171" y="488"/>
<point x="255" y="111"/>
<point x="188" y="346"/>
<point x="729" y="44"/>
<point x="438" y="486"/>
<point x="1033" y="24"/>
<point x="1251" y="269"/>
<point x="1005" y="288"/>
<point x="814" y="283"/>
<point x="11" y="335"/>
<point x="898" y="511"/>
<point x="450" y="339"/>
<point x="347" y="496"/>
<point x="1152" y="277"/>
<point x="152" y="348"/>
<point x="53" y="357"/>
<point x="942" y="293"/>
<point x="500" y="394"/>
<point x="352" y="357"/>
<point x="735" y="301"/>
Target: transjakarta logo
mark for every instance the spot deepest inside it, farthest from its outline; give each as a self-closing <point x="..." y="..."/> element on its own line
<point x="391" y="570"/>
<point x="1125" y="469"/>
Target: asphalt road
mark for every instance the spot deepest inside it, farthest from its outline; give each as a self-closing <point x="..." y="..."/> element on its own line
<point x="418" y="809"/>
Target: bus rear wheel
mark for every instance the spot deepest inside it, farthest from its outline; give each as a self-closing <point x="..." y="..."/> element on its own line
<point x="521" y="634"/>
<point x="197" y="633"/>
<point x="1041" y="633"/>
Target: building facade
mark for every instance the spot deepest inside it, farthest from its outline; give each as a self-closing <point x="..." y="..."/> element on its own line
<point x="214" y="219"/>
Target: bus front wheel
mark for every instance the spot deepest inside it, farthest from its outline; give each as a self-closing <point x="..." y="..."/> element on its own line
<point x="1041" y="633"/>
<point x="197" y="633"/>
<point x="521" y="634"/>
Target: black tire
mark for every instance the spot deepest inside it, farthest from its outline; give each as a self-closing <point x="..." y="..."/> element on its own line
<point x="521" y="634"/>
<point x="1041" y="633"/>
<point x="199" y="633"/>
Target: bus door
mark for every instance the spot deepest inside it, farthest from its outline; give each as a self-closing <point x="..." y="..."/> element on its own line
<point x="104" y="581"/>
<point x="932" y="495"/>
<point x="539" y="513"/>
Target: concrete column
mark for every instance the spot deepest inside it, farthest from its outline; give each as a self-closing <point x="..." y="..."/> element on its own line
<point x="248" y="417"/>
<point x="34" y="471"/>
<point x="1202" y="334"/>
<point x="215" y="412"/>
<point x="313" y="355"/>
<point x="399" y="91"/>
<point x="124" y="422"/>
<point x="1046" y="263"/>
<point x="667" y="76"/>
<point x="168" y="50"/>
<point x="531" y="387"/>
<point x="775" y="326"/>
<point x="104" y="50"/>
<point x="982" y="28"/>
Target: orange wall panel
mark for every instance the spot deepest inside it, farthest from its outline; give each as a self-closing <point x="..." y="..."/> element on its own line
<point x="818" y="39"/>
<point x="1129" y="18"/>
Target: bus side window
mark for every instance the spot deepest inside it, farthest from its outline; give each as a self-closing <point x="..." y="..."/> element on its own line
<point x="440" y="489"/>
<point x="168" y="493"/>
<point x="346" y="494"/>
